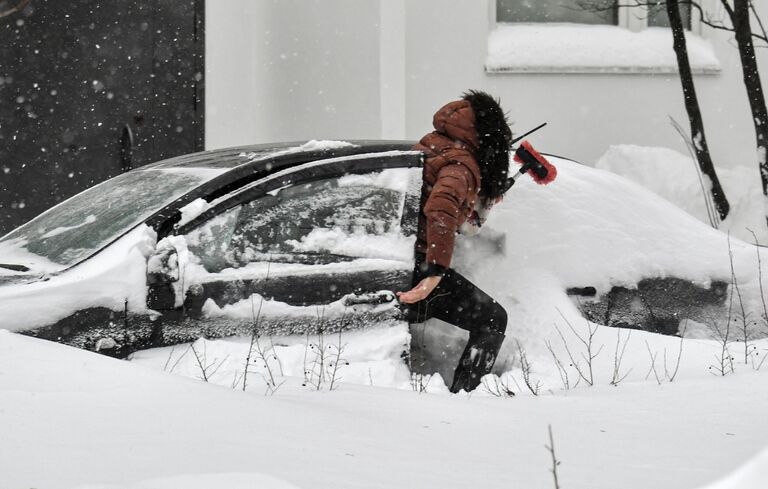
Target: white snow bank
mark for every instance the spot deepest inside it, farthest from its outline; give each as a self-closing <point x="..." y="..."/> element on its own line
<point x="70" y="418"/>
<point x="202" y="481"/>
<point x="553" y="47"/>
<point x="752" y="475"/>
<point x="673" y="176"/>
<point x="592" y="227"/>
<point x="371" y="356"/>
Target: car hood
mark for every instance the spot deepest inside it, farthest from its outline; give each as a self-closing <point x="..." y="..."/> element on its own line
<point x="20" y="278"/>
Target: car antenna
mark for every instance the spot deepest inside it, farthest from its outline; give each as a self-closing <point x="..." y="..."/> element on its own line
<point x="527" y="133"/>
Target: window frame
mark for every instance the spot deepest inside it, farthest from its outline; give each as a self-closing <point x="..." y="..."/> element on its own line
<point x="495" y="16"/>
<point x="629" y="23"/>
<point x="626" y="19"/>
<point x="688" y="27"/>
<point x="308" y="173"/>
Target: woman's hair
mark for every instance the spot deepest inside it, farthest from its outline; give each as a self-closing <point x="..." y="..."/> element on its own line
<point x="494" y="137"/>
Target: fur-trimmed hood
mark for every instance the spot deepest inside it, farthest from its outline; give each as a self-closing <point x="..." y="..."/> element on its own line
<point x="491" y="125"/>
<point x="494" y="138"/>
<point x="466" y="159"/>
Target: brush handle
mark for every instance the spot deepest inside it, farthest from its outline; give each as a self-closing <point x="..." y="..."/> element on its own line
<point x="511" y="181"/>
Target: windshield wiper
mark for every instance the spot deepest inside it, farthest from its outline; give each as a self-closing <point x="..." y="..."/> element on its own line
<point x="15" y="268"/>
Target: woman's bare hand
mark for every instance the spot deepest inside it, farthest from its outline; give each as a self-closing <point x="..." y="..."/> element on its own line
<point x="420" y="292"/>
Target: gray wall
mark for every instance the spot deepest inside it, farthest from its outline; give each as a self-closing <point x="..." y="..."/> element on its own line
<point x="283" y="70"/>
<point x="344" y="69"/>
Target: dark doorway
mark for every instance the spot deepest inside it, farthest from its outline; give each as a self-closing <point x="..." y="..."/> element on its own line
<point x="89" y="89"/>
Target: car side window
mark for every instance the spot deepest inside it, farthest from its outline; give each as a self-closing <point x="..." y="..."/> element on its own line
<point x="324" y="221"/>
<point x="209" y="242"/>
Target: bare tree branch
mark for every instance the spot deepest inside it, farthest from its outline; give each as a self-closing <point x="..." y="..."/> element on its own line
<point x="671" y="376"/>
<point x="526" y="366"/>
<point x="18" y="8"/>
<point x="727" y="7"/>
<point x="706" y="18"/>
<point x="555" y="462"/>
<point x="653" y="370"/>
<point x="739" y="13"/>
<point x="764" y="37"/>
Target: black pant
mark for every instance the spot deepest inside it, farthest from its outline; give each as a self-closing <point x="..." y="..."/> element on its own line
<point x="458" y="301"/>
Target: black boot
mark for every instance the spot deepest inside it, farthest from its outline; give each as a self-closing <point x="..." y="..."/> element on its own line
<point x="477" y="360"/>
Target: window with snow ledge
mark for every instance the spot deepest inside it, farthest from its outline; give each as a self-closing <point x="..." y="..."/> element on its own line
<point x="581" y="48"/>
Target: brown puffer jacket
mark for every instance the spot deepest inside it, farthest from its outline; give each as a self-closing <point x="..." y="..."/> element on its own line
<point x="451" y="182"/>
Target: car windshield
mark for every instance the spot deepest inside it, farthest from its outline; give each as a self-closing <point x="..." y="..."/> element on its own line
<point x="80" y="226"/>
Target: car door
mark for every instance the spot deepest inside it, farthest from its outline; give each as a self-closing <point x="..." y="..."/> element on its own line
<point x="320" y="247"/>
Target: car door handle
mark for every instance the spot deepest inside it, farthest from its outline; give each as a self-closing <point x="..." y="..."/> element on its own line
<point x="373" y="298"/>
<point x="126" y="149"/>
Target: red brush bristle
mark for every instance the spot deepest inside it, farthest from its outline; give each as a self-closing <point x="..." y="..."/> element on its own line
<point x="551" y="170"/>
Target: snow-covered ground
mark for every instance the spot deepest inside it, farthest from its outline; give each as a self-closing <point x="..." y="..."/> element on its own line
<point x="75" y="419"/>
<point x="69" y="418"/>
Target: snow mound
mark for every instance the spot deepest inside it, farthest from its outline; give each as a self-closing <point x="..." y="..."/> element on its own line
<point x="110" y="279"/>
<point x="371" y="356"/>
<point x="71" y="418"/>
<point x="593" y="227"/>
<point x="674" y="176"/>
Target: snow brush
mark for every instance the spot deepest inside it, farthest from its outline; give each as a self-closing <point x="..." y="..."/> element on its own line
<point x="533" y="163"/>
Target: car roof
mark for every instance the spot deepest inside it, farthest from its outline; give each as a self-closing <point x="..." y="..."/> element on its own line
<point x="239" y="166"/>
<point x="246" y="164"/>
<point x="260" y="157"/>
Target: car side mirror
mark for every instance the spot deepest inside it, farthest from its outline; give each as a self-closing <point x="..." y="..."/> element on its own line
<point x="163" y="267"/>
<point x="162" y="273"/>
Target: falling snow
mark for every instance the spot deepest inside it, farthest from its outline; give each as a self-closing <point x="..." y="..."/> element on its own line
<point x="93" y="92"/>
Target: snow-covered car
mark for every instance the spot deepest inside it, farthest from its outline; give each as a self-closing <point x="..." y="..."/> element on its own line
<point x="284" y="237"/>
<point x="301" y="238"/>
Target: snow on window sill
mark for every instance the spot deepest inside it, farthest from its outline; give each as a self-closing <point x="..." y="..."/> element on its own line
<point x="579" y="48"/>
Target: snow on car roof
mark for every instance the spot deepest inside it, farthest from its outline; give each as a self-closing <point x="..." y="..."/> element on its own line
<point x="301" y="152"/>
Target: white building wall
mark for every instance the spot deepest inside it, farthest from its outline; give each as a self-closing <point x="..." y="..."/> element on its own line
<point x="306" y="69"/>
<point x="232" y="81"/>
<point x="288" y="70"/>
<point x="393" y="73"/>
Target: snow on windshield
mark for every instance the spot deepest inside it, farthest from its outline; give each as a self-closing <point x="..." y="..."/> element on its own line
<point x="63" y="229"/>
<point x="80" y="226"/>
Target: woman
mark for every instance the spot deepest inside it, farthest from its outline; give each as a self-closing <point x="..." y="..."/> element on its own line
<point x="467" y="161"/>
